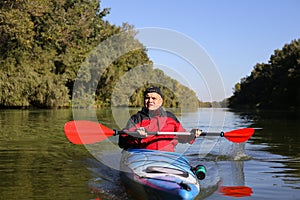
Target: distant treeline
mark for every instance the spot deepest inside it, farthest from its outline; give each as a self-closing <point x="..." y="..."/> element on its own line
<point x="53" y="52"/>
<point x="272" y="85"/>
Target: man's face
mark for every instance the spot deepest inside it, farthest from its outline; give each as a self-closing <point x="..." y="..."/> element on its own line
<point x="153" y="101"/>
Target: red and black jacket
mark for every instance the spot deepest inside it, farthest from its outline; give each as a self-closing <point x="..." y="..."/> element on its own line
<point x="152" y="121"/>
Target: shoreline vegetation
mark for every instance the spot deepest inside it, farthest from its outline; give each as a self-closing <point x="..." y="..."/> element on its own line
<point x="58" y="54"/>
<point x="272" y="85"/>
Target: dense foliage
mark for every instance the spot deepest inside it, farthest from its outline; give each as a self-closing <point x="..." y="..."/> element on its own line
<point x="272" y="85"/>
<point x="44" y="44"/>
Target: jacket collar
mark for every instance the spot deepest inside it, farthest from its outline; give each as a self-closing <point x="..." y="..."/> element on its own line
<point x="153" y="113"/>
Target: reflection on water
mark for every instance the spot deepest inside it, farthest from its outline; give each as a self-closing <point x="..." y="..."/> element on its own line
<point x="37" y="161"/>
<point x="280" y="136"/>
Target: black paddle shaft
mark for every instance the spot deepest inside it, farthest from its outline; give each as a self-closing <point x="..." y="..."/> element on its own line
<point x="136" y="134"/>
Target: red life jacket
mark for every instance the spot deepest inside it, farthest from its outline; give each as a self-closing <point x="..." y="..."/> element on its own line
<point x="152" y="121"/>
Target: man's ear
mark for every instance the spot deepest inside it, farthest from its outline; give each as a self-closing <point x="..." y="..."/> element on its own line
<point x="162" y="101"/>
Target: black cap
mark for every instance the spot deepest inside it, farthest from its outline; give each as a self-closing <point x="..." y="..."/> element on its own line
<point x="153" y="89"/>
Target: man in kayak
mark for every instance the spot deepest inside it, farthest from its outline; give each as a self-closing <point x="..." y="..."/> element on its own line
<point x="154" y="118"/>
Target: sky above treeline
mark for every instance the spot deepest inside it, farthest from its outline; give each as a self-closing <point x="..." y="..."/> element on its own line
<point x="230" y="37"/>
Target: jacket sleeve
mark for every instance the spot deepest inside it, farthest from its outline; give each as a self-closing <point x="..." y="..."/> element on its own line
<point x="127" y="141"/>
<point x="184" y="138"/>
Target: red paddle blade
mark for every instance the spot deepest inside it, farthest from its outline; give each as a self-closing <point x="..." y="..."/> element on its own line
<point x="235" y="191"/>
<point x="240" y="135"/>
<point x="86" y="132"/>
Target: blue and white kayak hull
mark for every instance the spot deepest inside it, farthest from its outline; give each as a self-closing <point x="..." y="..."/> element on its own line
<point x="150" y="174"/>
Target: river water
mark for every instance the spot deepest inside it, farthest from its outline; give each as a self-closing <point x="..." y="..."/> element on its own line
<point x="38" y="162"/>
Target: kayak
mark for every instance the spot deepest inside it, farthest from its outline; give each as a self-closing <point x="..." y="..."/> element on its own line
<point x="151" y="174"/>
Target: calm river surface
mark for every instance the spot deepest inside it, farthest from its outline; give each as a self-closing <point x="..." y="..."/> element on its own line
<point x="38" y="162"/>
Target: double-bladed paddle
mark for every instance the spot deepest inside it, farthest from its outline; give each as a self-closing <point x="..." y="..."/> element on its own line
<point x="89" y="132"/>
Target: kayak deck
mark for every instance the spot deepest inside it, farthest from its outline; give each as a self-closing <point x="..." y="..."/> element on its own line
<point x="150" y="174"/>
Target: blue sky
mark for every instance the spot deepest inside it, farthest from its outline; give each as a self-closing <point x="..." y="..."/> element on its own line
<point x="236" y="34"/>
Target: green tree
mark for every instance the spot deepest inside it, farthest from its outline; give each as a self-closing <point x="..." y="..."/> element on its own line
<point x="43" y="43"/>
<point x="272" y="85"/>
<point x="52" y="49"/>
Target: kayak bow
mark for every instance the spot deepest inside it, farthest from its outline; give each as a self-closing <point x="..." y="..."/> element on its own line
<point x="165" y="175"/>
